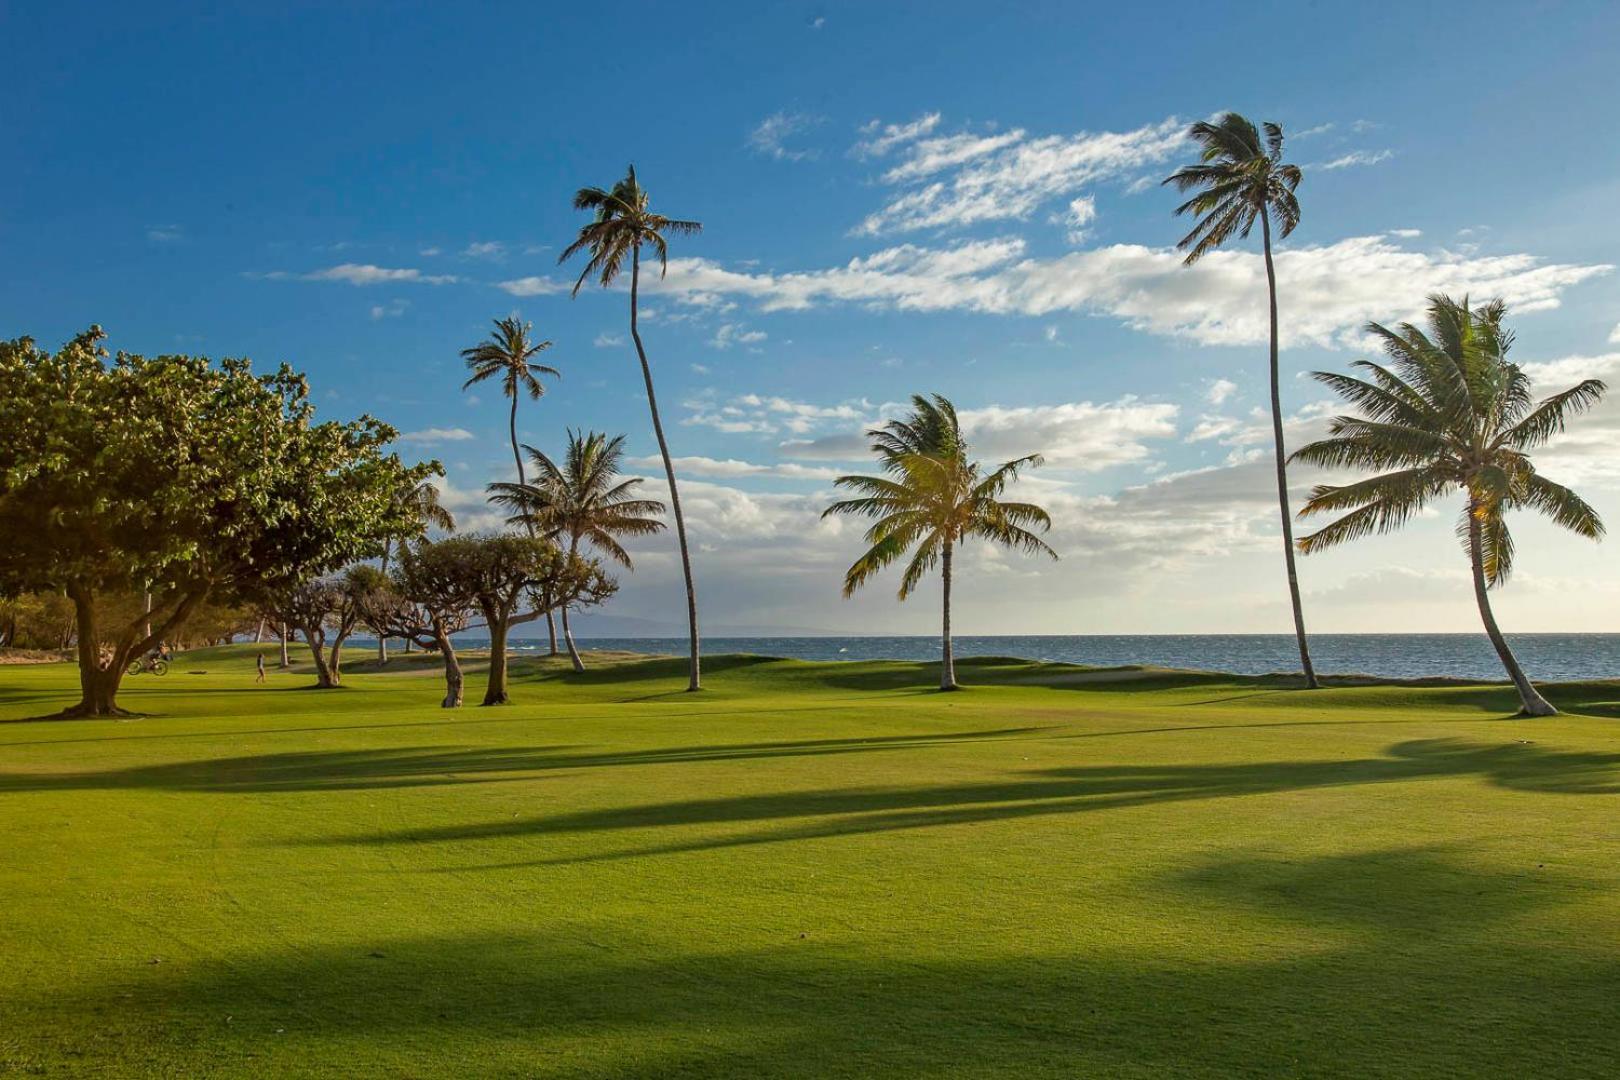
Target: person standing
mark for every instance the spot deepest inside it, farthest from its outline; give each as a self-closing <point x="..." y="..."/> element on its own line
<point x="260" y="658"/>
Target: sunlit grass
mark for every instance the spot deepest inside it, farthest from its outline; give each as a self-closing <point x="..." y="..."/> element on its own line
<point x="808" y="869"/>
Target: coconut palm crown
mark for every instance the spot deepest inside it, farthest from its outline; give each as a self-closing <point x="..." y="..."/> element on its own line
<point x="509" y="355"/>
<point x="1448" y="413"/>
<point x="933" y="498"/>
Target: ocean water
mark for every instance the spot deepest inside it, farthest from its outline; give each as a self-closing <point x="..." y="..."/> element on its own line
<point x="1403" y="656"/>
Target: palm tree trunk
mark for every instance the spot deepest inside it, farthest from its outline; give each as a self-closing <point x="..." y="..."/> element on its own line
<point x="1529" y="697"/>
<point x="947" y="667"/>
<point x="568" y="631"/>
<point x="694" y="681"/>
<point x="1282" y="468"/>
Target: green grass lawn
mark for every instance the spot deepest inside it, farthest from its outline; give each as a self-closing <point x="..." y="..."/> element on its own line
<point x="807" y="870"/>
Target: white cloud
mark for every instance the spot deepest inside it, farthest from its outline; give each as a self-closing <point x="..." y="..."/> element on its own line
<point x="1082" y="212"/>
<point x="755" y="414"/>
<point x="605" y="340"/>
<point x="1219" y="390"/>
<point x="436" y="435"/>
<point x="770" y="136"/>
<point x="731" y="467"/>
<point x="363" y="274"/>
<point x="532" y="286"/>
<point x="1008" y="176"/>
<point x="1050" y="333"/>
<point x="1213" y="427"/>
<point x="164" y="234"/>
<point x="1406" y="234"/>
<point x="730" y="334"/>
<point x="1355" y="157"/>
<point x="1614" y="335"/>
<point x="391" y="310"/>
<point x="1082" y="435"/>
<point x="429" y="252"/>
<point x="881" y="138"/>
<point x="1327" y="291"/>
<point x="484" y="249"/>
<point x="1319" y="129"/>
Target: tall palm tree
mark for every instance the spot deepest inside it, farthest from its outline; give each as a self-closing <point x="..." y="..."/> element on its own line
<point x="582" y="501"/>
<point x="932" y="500"/>
<point x="620" y="224"/>
<point x="509" y="354"/>
<point x="1238" y="180"/>
<point x="1449" y="413"/>
<point x="421" y="503"/>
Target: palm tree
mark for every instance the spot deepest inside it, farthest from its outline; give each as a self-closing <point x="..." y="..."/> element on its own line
<point x="1449" y="413"/>
<point x="509" y="354"/>
<point x="1238" y="181"/>
<point x="582" y="501"/>
<point x="421" y="503"/>
<point x="933" y="499"/>
<point x="621" y="223"/>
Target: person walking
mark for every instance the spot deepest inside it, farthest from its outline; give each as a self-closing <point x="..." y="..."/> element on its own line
<point x="260" y="658"/>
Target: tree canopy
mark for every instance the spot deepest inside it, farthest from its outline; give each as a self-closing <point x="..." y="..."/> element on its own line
<point x="181" y="478"/>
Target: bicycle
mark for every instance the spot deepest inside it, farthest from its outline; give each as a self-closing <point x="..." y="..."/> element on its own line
<point x="154" y="664"/>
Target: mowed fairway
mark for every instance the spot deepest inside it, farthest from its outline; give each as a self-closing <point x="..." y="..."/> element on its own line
<point x="807" y="870"/>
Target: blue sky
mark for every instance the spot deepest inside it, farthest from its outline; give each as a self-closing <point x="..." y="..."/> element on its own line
<point x="896" y="198"/>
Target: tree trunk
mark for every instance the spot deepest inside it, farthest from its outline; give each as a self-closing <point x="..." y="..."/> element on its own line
<point x="551" y="631"/>
<point x="947" y="666"/>
<point x="326" y="677"/>
<point x="573" y="650"/>
<point x="495" y="693"/>
<point x="286" y="661"/>
<point x="694" y="681"/>
<point x="258" y="635"/>
<point x="1529" y="697"/>
<point x="1282" y="468"/>
<point x="452" y="670"/>
<point x="382" y="638"/>
<point x="98" y="685"/>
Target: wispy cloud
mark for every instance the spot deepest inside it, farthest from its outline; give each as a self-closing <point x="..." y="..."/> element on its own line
<point x="731" y="467"/>
<point x="391" y="310"/>
<point x="965" y="178"/>
<point x="532" y="286"/>
<point x="437" y="435"/>
<point x="484" y="249"/>
<point x="362" y="274"/>
<point x="1354" y="158"/>
<point x="165" y="234"/>
<point x="1333" y="288"/>
<point x="879" y="138"/>
<point x="730" y="334"/>
<point x="1219" y="391"/>
<point x="770" y="136"/>
<point x="605" y="340"/>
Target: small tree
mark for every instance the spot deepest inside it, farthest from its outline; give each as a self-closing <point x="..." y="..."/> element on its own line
<point x="426" y="601"/>
<point x="180" y="478"/>
<point x="326" y="613"/>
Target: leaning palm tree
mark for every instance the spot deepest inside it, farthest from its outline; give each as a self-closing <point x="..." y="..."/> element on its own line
<point x="422" y="506"/>
<point x="932" y="500"/>
<point x="1449" y="412"/>
<point x="1237" y="181"/>
<point x="621" y="223"/>
<point x="582" y="501"/>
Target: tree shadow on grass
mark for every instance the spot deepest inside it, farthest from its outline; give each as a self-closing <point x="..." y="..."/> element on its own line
<point x="806" y="815"/>
<point x="1470" y="985"/>
<point x="425" y="766"/>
